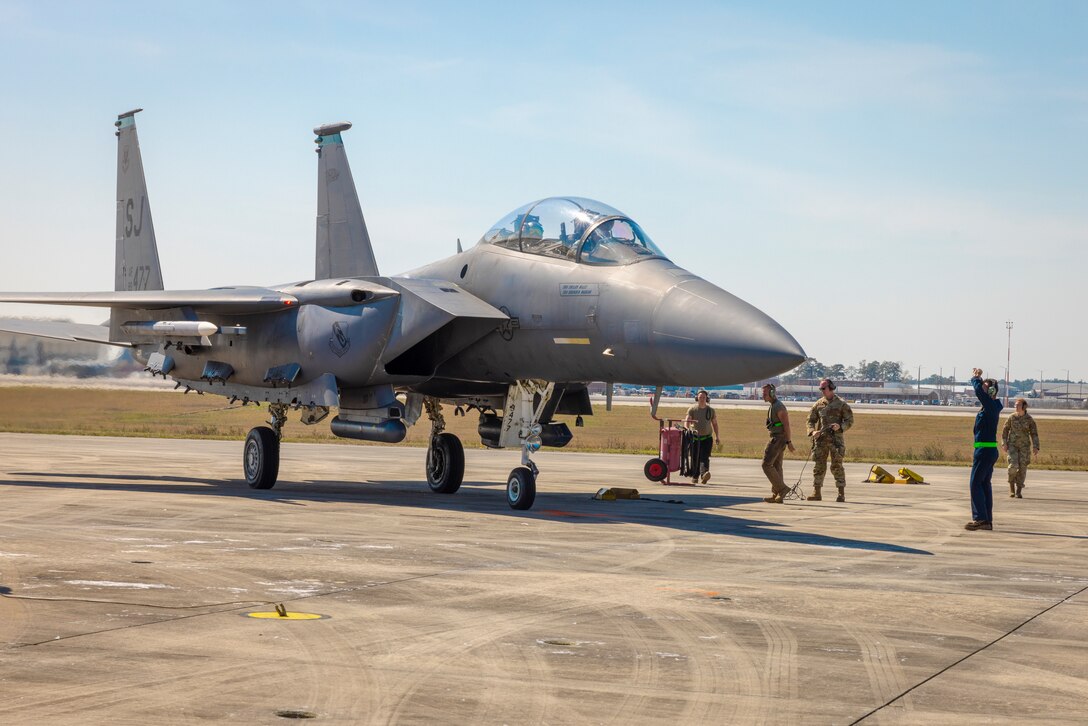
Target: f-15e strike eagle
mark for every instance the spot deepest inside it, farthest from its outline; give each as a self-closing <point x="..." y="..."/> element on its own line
<point x="559" y="292"/>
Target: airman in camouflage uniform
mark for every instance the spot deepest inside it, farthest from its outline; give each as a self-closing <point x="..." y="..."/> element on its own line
<point x="1019" y="440"/>
<point x="828" y="419"/>
<point x="778" y="425"/>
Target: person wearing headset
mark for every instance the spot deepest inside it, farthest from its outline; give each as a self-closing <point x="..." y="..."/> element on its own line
<point x="982" y="464"/>
<point x="778" y="425"/>
<point x="828" y="419"/>
<point x="701" y="419"/>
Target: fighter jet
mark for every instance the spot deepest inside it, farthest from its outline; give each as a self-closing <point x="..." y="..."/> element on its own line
<point x="560" y="292"/>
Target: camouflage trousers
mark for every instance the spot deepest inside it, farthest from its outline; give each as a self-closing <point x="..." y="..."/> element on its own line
<point x="1019" y="458"/>
<point x="772" y="464"/>
<point x="834" y="447"/>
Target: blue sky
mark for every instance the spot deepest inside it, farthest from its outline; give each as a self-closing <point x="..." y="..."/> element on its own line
<point x="889" y="181"/>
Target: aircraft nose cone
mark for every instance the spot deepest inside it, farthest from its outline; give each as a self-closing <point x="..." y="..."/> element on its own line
<point x="706" y="336"/>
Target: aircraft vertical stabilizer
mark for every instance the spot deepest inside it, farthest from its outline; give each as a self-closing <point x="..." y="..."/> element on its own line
<point x="136" y="261"/>
<point x="137" y="254"/>
<point x="343" y="244"/>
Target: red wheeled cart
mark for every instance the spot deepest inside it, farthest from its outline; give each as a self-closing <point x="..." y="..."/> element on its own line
<point x="670" y="445"/>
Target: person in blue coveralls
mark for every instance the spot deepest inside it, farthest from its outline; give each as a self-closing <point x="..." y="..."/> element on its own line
<point x="982" y="466"/>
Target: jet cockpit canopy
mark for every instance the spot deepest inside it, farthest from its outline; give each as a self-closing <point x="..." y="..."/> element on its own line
<point x="573" y="228"/>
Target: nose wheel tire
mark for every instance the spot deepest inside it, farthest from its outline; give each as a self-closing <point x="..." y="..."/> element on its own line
<point x="445" y="463"/>
<point x="261" y="458"/>
<point x="521" y="488"/>
<point x="655" y="470"/>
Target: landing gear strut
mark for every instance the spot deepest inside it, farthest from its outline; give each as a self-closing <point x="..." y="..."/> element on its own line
<point x="521" y="423"/>
<point x="261" y="455"/>
<point x="445" y="455"/>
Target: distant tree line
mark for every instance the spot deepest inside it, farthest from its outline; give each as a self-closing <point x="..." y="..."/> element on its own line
<point x="886" y="370"/>
<point x="871" y="370"/>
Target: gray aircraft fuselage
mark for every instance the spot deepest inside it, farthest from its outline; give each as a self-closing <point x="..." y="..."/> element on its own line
<point x="658" y="322"/>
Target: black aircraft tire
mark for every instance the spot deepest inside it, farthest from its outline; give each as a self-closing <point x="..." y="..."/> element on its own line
<point x="445" y="463"/>
<point x="656" y="470"/>
<point x="261" y="458"/>
<point x="521" y="488"/>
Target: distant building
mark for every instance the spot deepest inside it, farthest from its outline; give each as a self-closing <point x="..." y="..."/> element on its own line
<point x="24" y="354"/>
<point x="1051" y="391"/>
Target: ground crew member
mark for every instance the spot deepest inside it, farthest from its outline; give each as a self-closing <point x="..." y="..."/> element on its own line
<point x="1019" y="440"/>
<point x="701" y="419"/>
<point x="828" y="419"/>
<point x="778" y="425"/>
<point x="982" y="465"/>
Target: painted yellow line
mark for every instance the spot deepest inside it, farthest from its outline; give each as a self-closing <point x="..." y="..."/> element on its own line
<point x="289" y="616"/>
<point x="571" y="341"/>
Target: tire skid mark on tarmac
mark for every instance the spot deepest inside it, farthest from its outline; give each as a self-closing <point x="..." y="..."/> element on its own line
<point x="710" y="673"/>
<point x="79" y="700"/>
<point x="15" y="616"/>
<point x="429" y="655"/>
<point x="880" y="658"/>
<point x="646" y="553"/>
<point x="780" y="670"/>
<point x="746" y="676"/>
<point x="705" y="679"/>
<point x="349" y="691"/>
<point x="645" y="666"/>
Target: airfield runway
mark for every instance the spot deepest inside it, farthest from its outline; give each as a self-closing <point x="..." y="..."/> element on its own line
<point x="128" y="568"/>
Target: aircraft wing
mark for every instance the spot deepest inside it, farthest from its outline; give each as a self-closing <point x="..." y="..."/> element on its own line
<point x="74" y="332"/>
<point x="226" y="300"/>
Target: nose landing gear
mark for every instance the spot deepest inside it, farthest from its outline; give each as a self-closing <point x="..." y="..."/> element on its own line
<point x="521" y="487"/>
<point x="525" y="403"/>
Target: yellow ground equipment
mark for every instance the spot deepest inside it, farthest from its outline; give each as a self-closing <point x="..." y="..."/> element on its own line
<point x="911" y="477"/>
<point x="879" y="475"/>
<point x="613" y="493"/>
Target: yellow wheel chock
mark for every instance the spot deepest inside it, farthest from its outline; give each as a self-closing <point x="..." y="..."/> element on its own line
<point x="879" y="475"/>
<point x="612" y="493"/>
<point x="910" y="477"/>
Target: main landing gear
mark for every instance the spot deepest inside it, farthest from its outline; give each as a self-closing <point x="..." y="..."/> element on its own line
<point x="526" y="402"/>
<point x="445" y="455"/>
<point x="261" y="455"/>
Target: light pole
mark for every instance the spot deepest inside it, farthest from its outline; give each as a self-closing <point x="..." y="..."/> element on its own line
<point x="1008" y="361"/>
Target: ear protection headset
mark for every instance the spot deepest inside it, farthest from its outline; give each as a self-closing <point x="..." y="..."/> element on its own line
<point x="830" y="384"/>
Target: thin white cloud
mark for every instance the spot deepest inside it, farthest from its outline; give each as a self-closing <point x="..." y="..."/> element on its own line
<point x="826" y="74"/>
